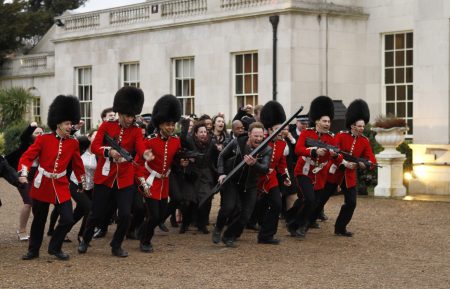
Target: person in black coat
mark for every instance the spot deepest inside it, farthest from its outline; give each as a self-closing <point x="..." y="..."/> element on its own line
<point x="26" y="139"/>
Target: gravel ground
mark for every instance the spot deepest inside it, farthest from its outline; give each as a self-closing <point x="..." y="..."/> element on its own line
<point x="397" y="244"/>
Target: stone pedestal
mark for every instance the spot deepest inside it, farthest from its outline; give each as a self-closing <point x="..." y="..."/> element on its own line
<point x="390" y="175"/>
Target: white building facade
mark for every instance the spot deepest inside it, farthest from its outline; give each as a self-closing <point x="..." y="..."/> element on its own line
<point x="216" y="55"/>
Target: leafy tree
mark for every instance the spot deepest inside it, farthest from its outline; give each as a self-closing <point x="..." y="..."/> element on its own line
<point x="13" y="105"/>
<point x="24" y="22"/>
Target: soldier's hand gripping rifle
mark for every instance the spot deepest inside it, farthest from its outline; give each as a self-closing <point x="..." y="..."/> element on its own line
<point x="254" y="152"/>
<point x="346" y="155"/>
<point x="114" y="145"/>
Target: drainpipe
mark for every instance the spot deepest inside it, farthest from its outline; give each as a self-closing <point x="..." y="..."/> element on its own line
<point x="274" y="19"/>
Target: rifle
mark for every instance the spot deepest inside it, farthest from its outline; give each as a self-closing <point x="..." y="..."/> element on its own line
<point x="217" y="187"/>
<point x="347" y="156"/>
<point x="123" y="152"/>
<point x="184" y="153"/>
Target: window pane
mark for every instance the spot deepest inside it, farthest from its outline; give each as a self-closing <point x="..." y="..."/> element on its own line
<point x="185" y="91"/>
<point x="240" y="102"/>
<point x="133" y="73"/>
<point x="389" y="42"/>
<point x="178" y="86"/>
<point x="390" y="108"/>
<point x="88" y="76"/>
<point x="248" y="84"/>
<point x="409" y="57"/>
<point x="256" y="100"/>
<point x="409" y="40"/>
<point x="255" y="83"/>
<point x="178" y="68"/>
<point x="410" y="92"/>
<point x="80" y="93"/>
<point x="239" y="63"/>
<point x="401" y="92"/>
<point x="409" y="74"/>
<point x="192" y="87"/>
<point x="80" y="76"/>
<point x="410" y="126"/>
<point x="191" y="65"/>
<point x="401" y="109"/>
<point x="399" y="75"/>
<point x="390" y="93"/>
<point x="399" y="41"/>
<point x="410" y="109"/>
<point x="239" y="84"/>
<point x="389" y="76"/>
<point x="126" y="73"/>
<point x="249" y="100"/>
<point x="255" y="62"/>
<point x="186" y="68"/>
<point x="389" y="59"/>
<point x="400" y="58"/>
<point x="247" y="63"/>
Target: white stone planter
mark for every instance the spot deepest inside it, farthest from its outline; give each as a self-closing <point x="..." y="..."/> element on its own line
<point x="390" y="138"/>
<point x="390" y="175"/>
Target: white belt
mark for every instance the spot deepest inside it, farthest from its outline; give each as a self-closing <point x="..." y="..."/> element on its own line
<point x="309" y="162"/>
<point x="154" y="174"/>
<point x="41" y="172"/>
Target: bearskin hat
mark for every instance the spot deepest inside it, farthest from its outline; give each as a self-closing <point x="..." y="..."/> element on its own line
<point x="320" y="106"/>
<point x="166" y="109"/>
<point x="128" y="100"/>
<point x="357" y="110"/>
<point x="84" y="143"/>
<point x="63" y="108"/>
<point x="272" y="113"/>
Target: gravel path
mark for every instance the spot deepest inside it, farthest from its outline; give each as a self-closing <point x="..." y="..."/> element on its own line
<point x="397" y="244"/>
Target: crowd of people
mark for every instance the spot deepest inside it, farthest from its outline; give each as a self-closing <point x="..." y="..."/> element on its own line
<point x="138" y="170"/>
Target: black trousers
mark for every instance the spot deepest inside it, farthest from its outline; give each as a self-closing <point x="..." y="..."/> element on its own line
<point x="40" y="213"/>
<point x="228" y="206"/>
<point x="100" y="201"/>
<point x="309" y="203"/>
<point x="137" y="211"/>
<point x="322" y="198"/>
<point x="271" y="205"/>
<point x="347" y="209"/>
<point x="155" y="213"/>
<point x="247" y="197"/>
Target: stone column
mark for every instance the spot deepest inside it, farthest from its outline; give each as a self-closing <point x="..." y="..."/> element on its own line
<point x="390" y="176"/>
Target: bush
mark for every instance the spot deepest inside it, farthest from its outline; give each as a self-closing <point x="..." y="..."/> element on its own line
<point x="2" y="144"/>
<point x="12" y="135"/>
<point x="13" y="105"/>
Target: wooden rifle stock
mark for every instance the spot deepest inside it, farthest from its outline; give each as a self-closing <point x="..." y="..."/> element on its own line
<point x="217" y="187"/>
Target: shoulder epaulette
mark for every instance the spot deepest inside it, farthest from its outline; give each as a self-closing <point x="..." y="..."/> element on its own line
<point x="310" y="128"/>
<point x="330" y="133"/>
<point x="344" y="131"/>
<point x="153" y="135"/>
<point x="364" y="137"/>
<point x="47" y="133"/>
<point x="72" y="137"/>
<point x="175" y="136"/>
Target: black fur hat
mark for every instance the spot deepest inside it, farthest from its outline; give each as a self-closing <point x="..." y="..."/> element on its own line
<point x="128" y="100"/>
<point x="357" y="110"/>
<point x="320" y="106"/>
<point x="166" y="109"/>
<point x="63" y="108"/>
<point x="272" y="113"/>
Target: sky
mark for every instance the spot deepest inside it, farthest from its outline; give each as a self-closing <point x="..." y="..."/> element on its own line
<point x="92" y="5"/>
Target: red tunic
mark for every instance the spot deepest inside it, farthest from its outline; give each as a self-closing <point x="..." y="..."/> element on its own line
<point x="277" y="164"/>
<point x="164" y="150"/>
<point x="129" y="138"/>
<point x="316" y="168"/>
<point x="54" y="155"/>
<point x="358" y="146"/>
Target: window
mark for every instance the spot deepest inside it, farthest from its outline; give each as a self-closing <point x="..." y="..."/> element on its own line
<point x="185" y="84"/>
<point x="83" y="90"/>
<point x="398" y="76"/>
<point x="246" y="79"/>
<point x="130" y="74"/>
<point x="36" y="109"/>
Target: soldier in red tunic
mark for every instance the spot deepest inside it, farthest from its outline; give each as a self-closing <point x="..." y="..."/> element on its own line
<point x="114" y="176"/>
<point x="50" y="185"/>
<point x="312" y="165"/>
<point x="355" y="143"/>
<point x="272" y="116"/>
<point x="153" y="175"/>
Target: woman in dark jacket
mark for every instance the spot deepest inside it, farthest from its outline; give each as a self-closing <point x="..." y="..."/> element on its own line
<point x="26" y="139"/>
